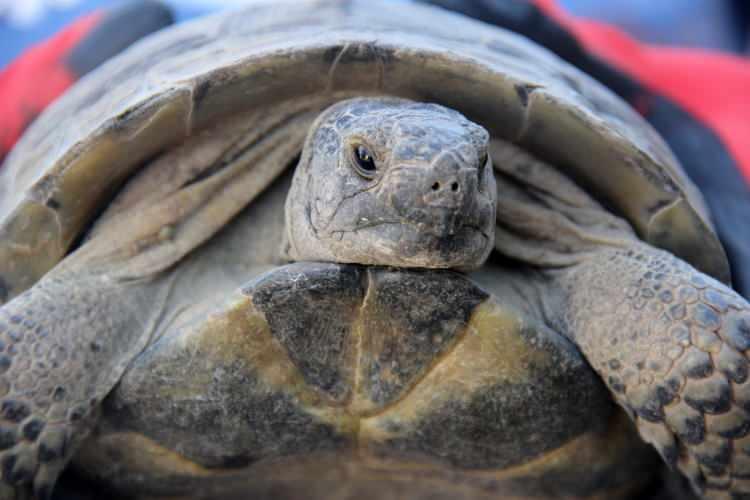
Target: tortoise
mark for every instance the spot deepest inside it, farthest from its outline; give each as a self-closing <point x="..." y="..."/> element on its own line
<point x="485" y="277"/>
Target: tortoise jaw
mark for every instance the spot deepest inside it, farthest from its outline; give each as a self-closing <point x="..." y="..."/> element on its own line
<point x="416" y="236"/>
<point x="404" y="243"/>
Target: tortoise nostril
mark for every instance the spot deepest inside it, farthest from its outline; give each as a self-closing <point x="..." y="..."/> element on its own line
<point x="436" y="186"/>
<point x="454" y="186"/>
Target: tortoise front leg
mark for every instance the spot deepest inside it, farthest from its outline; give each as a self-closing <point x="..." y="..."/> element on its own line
<point x="66" y="342"/>
<point x="672" y="345"/>
<point x="670" y="342"/>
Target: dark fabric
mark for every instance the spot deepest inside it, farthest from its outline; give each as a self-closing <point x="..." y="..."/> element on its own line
<point x="117" y="30"/>
<point x="706" y="159"/>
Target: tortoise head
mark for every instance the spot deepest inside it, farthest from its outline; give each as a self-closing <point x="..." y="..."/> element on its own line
<point x="393" y="182"/>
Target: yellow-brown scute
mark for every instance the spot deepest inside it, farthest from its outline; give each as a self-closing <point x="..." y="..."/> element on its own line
<point x="417" y="372"/>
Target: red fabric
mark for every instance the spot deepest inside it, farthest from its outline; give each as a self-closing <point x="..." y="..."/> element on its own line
<point x="36" y="78"/>
<point x="713" y="87"/>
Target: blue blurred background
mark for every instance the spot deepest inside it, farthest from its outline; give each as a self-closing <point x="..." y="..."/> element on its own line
<point x="715" y="24"/>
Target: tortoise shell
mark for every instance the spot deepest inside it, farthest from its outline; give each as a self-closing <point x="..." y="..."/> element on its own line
<point x="179" y="81"/>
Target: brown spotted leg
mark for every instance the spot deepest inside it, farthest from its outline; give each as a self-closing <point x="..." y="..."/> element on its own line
<point x="672" y="345"/>
<point x="63" y="348"/>
<point x="670" y="342"/>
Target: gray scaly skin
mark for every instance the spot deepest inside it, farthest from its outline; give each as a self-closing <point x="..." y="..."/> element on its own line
<point x="670" y="342"/>
<point x="65" y="347"/>
<point x="427" y="201"/>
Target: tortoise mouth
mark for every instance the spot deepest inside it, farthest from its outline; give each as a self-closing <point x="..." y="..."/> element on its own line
<point x="445" y="226"/>
<point x="411" y="244"/>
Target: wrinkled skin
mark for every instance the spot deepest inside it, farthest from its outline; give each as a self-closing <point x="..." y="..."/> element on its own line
<point x="670" y="343"/>
<point x="429" y="202"/>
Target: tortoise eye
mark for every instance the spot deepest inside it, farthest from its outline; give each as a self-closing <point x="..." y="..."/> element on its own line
<point x="364" y="161"/>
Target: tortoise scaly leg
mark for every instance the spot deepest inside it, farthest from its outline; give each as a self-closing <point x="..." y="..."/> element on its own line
<point x="672" y="345"/>
<point x="65" y="347"/>
<point x="670" y="342"/>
